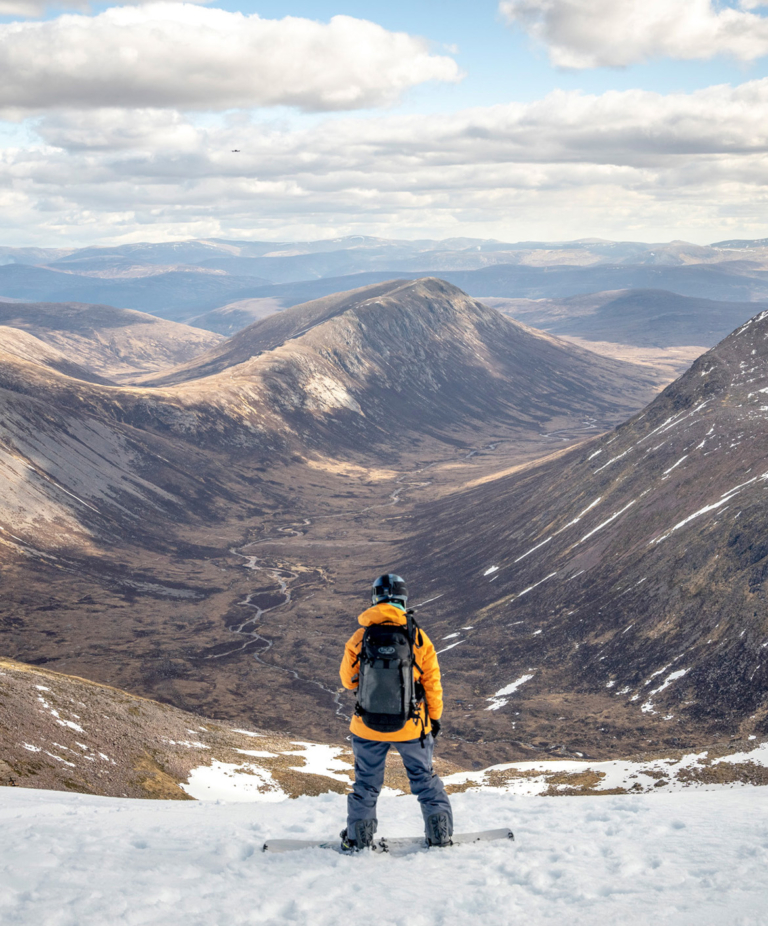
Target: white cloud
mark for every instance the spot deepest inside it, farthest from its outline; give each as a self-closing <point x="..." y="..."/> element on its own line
<point x="181" y="56"/>
<point x="622" y="163"/>
<point x="595" y="33"/>
<point x="31" y="9"/>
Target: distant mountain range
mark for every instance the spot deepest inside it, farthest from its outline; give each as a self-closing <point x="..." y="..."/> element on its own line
<point x="189" y="280"/>
<point x="639" y="317"/>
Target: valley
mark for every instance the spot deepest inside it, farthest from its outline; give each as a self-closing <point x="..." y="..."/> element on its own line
<point x="206" y="536"/>
<point x="196" y="519"/>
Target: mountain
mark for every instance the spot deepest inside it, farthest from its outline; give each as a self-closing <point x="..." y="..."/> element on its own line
<point x="61" y="732"/>
<point x="615" y="595"/>
<point x="185" y="280"/>
<point x="420" y="359"/>
<point x="110" y="344"/>
<point x="187" y="537"/>
<point x="173" y="294"/>
<point x="229" y="319"/>
<point x="638" y="317"/>
<point x="26" y="347"/>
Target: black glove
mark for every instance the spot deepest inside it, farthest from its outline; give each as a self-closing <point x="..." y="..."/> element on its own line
<point x="435" y="728"/>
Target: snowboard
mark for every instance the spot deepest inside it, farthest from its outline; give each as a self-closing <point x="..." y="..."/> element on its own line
<point x="396" y="845"/>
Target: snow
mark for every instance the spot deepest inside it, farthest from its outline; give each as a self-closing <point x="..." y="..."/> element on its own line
<point x="535" y="585"/>
<point x="491" y="570"/>
<point x="579" y="516"/>
<point x="726" y="497"/>
<point x="450" y="646"/>
<point x="499" y="699"/>
<point x="533" y="549"/>
<point x="222" y="781"/>
<point x="322" y="760"/>
<point x="683" y="859"/>
<point x="675" y="465"/>
<point x="614" y="460"/>
<point x="605" y="523"/>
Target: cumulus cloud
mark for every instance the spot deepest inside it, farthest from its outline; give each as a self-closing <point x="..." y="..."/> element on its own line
<point x="634" y="162"/>
<point x="595" y="33"/>
<point x="181" y="56"/>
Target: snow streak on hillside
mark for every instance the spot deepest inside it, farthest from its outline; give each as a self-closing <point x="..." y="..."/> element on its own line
<point x="694" y="859"/>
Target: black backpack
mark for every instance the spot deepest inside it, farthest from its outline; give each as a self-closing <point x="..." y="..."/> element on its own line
<point x="387" y="695"/>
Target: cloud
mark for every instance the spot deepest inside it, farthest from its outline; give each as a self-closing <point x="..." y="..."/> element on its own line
<point x="32" y="9"/>
<point x="175" y="55"/>
<point x="600" y="33"/>
<point x="613" y="165"/>
<point x="25" y="8"/>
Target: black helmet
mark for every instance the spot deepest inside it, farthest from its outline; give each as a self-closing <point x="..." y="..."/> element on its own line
<point x="389" y="588"/>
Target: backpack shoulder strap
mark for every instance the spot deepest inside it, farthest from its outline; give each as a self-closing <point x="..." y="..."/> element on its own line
<point x="414" y="631"/>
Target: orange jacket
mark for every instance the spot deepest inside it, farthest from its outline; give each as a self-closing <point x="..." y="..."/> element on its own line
<point x="426" y="657"/>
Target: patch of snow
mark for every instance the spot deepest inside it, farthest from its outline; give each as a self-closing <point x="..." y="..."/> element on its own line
<point x="606" y="522"/>
<point x="452" y="636"/>
<point x="222" y="781"/>
<point x="579" y="516"/>
<point x="726" y="497"/>
<point x="491" y="570"/>
<point x="451" y="646"/>
<point x="533" y="549"/>
<point x="535" y="585"/>
<point x="657" y="672"/>
<point x="675" y="465"/>
<point x="322" y="760"/>
<point x="500" y="698"/>
<point x="257" y="753"/>
<point x="614" y="460"/>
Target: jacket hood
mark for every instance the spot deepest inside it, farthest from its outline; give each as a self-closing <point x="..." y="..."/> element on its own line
<point x="383" y="613"/>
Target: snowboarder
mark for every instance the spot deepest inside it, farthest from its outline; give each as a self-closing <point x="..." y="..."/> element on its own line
<point x="392" y="664"/>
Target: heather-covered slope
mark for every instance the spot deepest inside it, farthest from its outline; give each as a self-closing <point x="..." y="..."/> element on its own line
<point x="617" y="594"/>
<point x="112" y="344"/>
<point x="417" y="359"/>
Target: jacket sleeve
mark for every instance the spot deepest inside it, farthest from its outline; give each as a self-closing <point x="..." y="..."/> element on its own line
<point x="349" y="664"/>
<point x="430" y="678"/>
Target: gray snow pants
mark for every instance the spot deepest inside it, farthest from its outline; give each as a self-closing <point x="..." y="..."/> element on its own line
<point x="370" y="757"/>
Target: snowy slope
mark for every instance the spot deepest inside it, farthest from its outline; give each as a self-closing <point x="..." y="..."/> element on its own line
<point x="694" y="858"/>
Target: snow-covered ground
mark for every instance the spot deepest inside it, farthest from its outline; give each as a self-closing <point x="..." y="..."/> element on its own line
<point x="694" y="857"/>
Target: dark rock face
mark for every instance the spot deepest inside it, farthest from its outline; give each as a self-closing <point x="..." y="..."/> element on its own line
<point x="626" y="579"/>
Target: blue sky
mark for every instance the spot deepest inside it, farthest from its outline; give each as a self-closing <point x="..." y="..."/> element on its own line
<point x="512" y="119"/>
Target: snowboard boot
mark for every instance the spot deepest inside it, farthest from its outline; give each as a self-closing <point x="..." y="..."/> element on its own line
<point x="363" y="836"/>
<point x="439" y="830"/>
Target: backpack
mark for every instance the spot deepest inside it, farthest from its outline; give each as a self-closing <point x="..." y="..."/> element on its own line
<point x="387" y="695"/>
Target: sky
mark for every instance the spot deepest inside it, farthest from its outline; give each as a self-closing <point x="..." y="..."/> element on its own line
<point x="517" y="120"/>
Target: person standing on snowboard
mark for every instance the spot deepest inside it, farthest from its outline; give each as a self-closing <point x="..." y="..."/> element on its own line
<point x="379" y="659"/>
